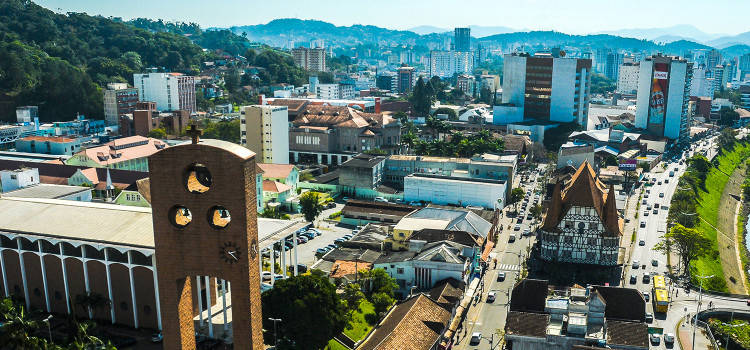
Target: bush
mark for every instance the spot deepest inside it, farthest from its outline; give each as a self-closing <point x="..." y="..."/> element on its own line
<point x="334" y="215"/>
<point x="372" y="319"/>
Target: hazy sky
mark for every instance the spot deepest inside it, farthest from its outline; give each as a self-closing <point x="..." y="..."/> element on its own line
<point x="570" y="16"/>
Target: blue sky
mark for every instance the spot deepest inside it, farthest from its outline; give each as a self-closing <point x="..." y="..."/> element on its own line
<point x="570" y="16"/>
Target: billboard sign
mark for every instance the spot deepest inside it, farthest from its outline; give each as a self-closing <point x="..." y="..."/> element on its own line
<point x="658" y="97"/>
<point x="628" y="164"/>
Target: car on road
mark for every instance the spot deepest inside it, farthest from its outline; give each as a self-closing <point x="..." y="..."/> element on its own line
<point x="656" y="211"/>
<point x="645" y="201"/>
<point x="649" y="207"/>
<point x="381" y="199"/>
<point x="655" y="338"/>
<point x="661" y="194"/>
<point x="415" y="203"/>
<point x="646" y="296"/>
<point x="517" y="227"/>
<point x="636" y="264"/>
<point x="491" y="296"/>
<point x="633" y="279"/>
<point x="475" y="338"/>
<point x="526" y="232"/>
<point x="512" y="238"/>
<point x="501" y="277"/>
<point x="645" y="195"/>
<point x="669" y="338"/>
<point x="642" y="242"/>
<point x="671" y="174"/>
<point x="649" y="317"/>
<point x="645" y="213"/>
<point x="643" y="224"/>
<point x="654" y="262"/>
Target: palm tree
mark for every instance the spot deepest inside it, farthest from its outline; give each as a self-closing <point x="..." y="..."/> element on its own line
<point x="18" y="327"/>
<point x="409" y="140"/>
<point x="422" y="148"/>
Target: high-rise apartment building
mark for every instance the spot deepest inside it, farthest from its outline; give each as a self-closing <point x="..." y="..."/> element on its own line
<point x="406" y="79"/>
<point x="612" y="66"/>
<point x="627" y="81"/>
<point x="548" y="88"/>
<point x="119" y="99"/>
<point x="663" y="96"/>
<point x="462" y="39"/>
<point x="745" y="97"/>
<point x="170" y="91"/>
<point x="447" y="63"/>
<point x="701" y="85"/>
<point x="265" y="131"/>
<point x="743" y="68"/>
<point x="313" y="60"/>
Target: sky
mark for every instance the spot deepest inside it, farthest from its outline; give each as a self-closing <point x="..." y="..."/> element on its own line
<point x="568" y="16"/>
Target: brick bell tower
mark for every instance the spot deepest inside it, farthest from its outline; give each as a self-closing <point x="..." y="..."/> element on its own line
<point x="203" y="201"/>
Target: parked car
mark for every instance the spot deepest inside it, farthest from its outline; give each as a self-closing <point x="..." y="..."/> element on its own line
<point x="669" y="338"/>
<point x="633" y="279"/>
<point x="649" y="317"/>
<point x="646" y="296"/>
<point x="415" y="203"/>
<point x="301" y="268"/>
<point x="636" y="264"/>
<point x="380" y="199"/>
<point x="331" y="205"/>
<point x="266" y="275"/>
<point x="339" y="241"/>
<point x="491" y="296"/>
<point x="517" y="227"/>
<point x="321" y="251"/>
<point x="330" y="246"/>
<point x="655" y="338"/>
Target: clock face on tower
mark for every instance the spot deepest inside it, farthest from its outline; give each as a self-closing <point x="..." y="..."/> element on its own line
<point x="230" y="253"/>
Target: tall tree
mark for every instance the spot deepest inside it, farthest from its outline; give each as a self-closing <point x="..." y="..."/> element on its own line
<point x="689" y="243"/>
<point x="420" y="100"/>
<point x="311" y="312"/>
<point x="311" y="207"/>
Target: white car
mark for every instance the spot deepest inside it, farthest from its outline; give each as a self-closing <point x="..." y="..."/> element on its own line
<point x="669" y="338"/>
<point x="655" y="338"/>
<point x="475" y="338"/>
<point x="636" y="264"/>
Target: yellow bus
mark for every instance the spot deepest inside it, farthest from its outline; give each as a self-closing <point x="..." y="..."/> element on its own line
<point x="660" y="294"/>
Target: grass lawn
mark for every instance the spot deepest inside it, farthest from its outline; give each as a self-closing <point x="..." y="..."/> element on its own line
<point x="708" y="210"/>
<point x="359" y="325"/>
<point x="334" y="345"/>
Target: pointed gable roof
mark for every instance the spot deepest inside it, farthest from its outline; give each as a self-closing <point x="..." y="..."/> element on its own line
<point x="584" y="190"/>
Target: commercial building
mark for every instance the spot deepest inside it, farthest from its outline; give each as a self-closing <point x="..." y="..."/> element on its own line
<point x="627" y="81"/>
<point x="48" y="145"/>
<point x="146" y="118"/>
<point x="582" y="224"/>
<point x="436" y="218"/>
<point x="702" y="85"/>
<point x="546" y="88"/>
<point x="119" y="99"/>
<point x="362" y="171"/>
<point x="387" y="81"/>
<point x="445" y="64"/>
<point x="743" y="68"/>
<point x="313" y="60"/>
<point x="451" y="190"/>
<point x="328" y="91"/>
<point x="265" y="130"/>
<point x="170" y="91"/>
<point x="27" y="114"/>
<point x="663" y="97"/>
<point x="462" y="39"/>
<point x="467" y="84"/>
<point x="128" y="153"/>
<point x="542" y="316"/>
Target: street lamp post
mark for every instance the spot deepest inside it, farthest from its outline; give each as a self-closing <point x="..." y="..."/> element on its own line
<point x="698" y="309"/>
<point x="275" y="338"/>
<point x="49" y="328"/>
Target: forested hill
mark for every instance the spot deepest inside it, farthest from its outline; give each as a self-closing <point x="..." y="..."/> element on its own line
<point x="60" y="62"/>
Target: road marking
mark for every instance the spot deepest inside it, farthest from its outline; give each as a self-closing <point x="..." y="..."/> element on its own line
<point x="509" y="267"/>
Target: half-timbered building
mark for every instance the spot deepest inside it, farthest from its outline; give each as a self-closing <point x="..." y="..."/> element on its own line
<point x="582" y="224"/>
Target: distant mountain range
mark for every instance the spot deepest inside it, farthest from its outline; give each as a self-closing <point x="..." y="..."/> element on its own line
<point x="670" y="40"/>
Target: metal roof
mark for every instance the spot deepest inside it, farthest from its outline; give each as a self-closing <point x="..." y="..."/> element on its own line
<point x="46" y="191"/>
<point x="104" y="223"/>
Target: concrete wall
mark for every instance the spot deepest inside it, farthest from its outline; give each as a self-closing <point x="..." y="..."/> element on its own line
<point x="514" y="80"/>
<point x="562" y="99"/>
<point x="673" y="115"/>
<point x="644" y="94"/>
<point x="445" y="191"/>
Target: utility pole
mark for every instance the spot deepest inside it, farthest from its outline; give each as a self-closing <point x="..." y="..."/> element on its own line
<point x="698" y="309"/>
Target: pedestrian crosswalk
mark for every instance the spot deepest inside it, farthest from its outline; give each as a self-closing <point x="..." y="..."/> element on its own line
<point x="508" y="267"/>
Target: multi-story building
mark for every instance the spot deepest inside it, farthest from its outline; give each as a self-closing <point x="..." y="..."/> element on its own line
<point x="346" y="91"/>
<point x="663" y="96"/>
<point x="119" y="99"/>
<point x="455" y="190"/>
<point x="582" y="224"/>
<point x="743" y="68"/>
<point x="720" y="78"/>
<point x="333" y="134"/>
<point x="48" y="145"/>
<point x="491" y="82"/>
<point x="128" y="153"/>
<point x="328" y="91"/>
<point x="170" y="91"/>
<point x="702" y="85"/>
<point x="445" y="64"/>
<point x="467" y="84"/>
<point x="313" y="60"/>
<point x="387" y="81"/>
<point x="745" y="97"/>
<point x="406" y="79"/>
<point x="363" y="171"/>
<point x="612" y="65"/>
<point x="547" y="88"/>
<point x="543" y="316"/>
<point x="27" y="114"/>
<point x="462" y="39"/>
<point x="265" y="130"/>
<point x="627" y="81"/>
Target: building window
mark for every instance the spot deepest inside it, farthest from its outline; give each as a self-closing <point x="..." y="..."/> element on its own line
<point x="400" y="271"/>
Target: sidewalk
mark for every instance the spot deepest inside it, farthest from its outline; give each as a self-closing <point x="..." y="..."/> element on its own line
<point x="685" y="334"/>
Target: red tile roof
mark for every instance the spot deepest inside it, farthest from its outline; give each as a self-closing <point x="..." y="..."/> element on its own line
<point x="276" y="171"/>
<point x="275" y="187"/>
<point x="47" y="138"/>
<point x="124" y="149"/>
